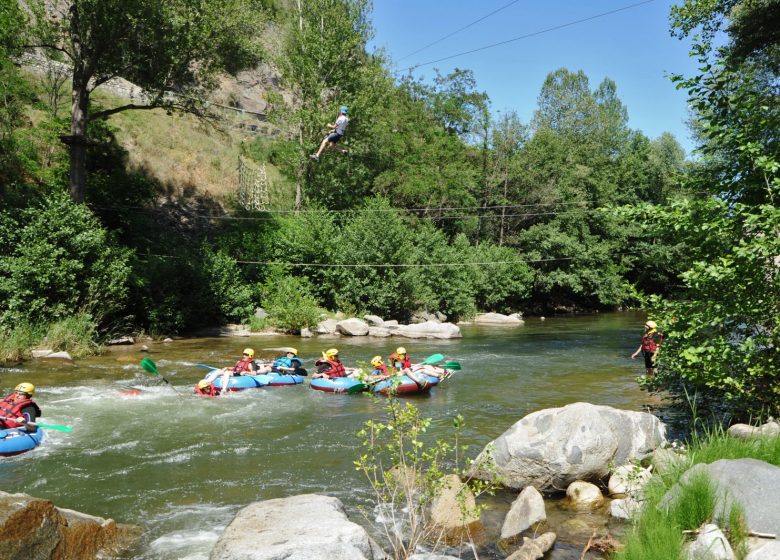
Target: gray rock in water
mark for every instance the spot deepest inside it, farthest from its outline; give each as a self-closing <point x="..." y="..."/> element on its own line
<point x="306" y="333"/>
<point x="498" y="319"/>
<point x="304" y="527"/>
<point x="552" y="448"/>
<point x="429" y="329"/>
<point x="122" y="340"/>
<point x="745" y="431"/>
<point x="378" y="332"/>
<point x="527" y="510"/>
<point x="754" y="484"/>
<point x="352" y="327"/>
<point x="41" y="352"/>
<point x="624" y="508"/>
<point x="374" y="320"/>
<point x="583" y="494"/>
<point x="710" y="544"/>
<point x="328" y="326"/>
<point x="533" y="549"/>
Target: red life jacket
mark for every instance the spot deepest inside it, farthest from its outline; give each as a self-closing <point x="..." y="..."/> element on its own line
<point x="243" y="366"/>
<point x="381" y="369"/>
<point x="648" y="341"/>
<point x="210" y="391"/>
<point x="336" y="369"/>
<point x="11" y="409"/>
<point x="406" y="362"/>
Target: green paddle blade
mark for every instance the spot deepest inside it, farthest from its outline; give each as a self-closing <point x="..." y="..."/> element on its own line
<point x="149" y="366"/>
<point x="452" y="365"/>
<point x="52" y="426"/>
<point x="433" y="359"/>
<point x="359" y="388"/>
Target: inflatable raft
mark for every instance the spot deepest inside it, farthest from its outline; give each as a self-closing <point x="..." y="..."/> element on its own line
<point x="16" y="441"/>
<point x="399" y="384"/>
<point x="242" y="382"/>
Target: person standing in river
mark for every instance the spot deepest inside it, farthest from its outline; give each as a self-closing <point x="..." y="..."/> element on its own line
<point x="651" y="342"/>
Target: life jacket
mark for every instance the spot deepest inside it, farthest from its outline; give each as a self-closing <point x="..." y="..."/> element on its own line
<point x="381" y="369"/>
<point x="333" y="368"/>
<point x="11" y="409"/>
<point x="285" y="362"/>
<point x="243" y="366"/>
<point x="211" y="391"/>
<point x="400" y="363"/>
<point x="648" y="341"/>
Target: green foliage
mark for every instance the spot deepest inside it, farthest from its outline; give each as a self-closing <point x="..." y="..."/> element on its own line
<point x="289" y="301"/>
<point x="407" y="469"/>
<point x="657" y="533"/>
<point x="57" y="260"/>
<point x="17" y="341"/>
<point x="233" y="297"/>
<point x="76" y="335"/>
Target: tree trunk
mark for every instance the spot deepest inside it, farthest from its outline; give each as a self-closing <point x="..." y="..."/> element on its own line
<point x="77" y="142"/>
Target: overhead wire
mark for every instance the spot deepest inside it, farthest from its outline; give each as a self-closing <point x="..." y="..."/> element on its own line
<point x="458" y="30"/>
<point x="528" y="35"/>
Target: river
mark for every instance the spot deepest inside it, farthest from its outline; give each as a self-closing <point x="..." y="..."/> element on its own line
<point x="181" y="466"/>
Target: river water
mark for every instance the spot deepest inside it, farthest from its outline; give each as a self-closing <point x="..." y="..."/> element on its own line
<point x="182" y="466"/>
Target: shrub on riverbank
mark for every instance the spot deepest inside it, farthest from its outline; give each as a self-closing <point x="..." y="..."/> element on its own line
<point x="17" y="342"/>
<point x="658" y="532"/>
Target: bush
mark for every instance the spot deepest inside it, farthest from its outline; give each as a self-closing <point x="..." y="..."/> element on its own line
<point x="76" y="335"/>
<point x="232" y="296"/>
<point x="289" y="302"/>
<point x="16" y="342"/>
<point x="57" y="259"/>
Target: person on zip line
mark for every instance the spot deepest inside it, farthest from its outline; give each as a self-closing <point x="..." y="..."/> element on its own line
<point x="18" y="408"/>
<point x="651" y="342"/>
<point x="335" y="134"/>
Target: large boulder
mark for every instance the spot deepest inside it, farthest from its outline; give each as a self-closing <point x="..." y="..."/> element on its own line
<point x="552" y="448"/>
<point x="352" y="327"/>
<point x="380" y="332"/>
<point x="753" y="484"/>
<point x="36" y="529"/>
<point x="746" y="431"/>
<point x="428" y="329"/>
<point x="374" y="320"/>
<point x="328" y="326"/>
<point x="498" y="319"/>
<point x="304" y="527"/>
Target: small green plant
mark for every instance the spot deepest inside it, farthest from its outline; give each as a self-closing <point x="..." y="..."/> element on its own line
<point x="76" y="335"/>
<point x="16" y="343"/>
<point x="407" y="470"/>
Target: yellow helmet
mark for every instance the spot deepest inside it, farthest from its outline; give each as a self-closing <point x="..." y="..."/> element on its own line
<point x="330" y="353"/>
<point x="652" y="324"/>
<point x="249" y="352"/>
<point x="376" y="361"/>
<point x="293" y="350"/>
<point x="28" y="388"/>
<point x="203" y="384"/>
<point x="400" y="350"/>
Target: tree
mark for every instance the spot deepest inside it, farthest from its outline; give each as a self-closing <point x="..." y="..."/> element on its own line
<point x="173" y="49"/>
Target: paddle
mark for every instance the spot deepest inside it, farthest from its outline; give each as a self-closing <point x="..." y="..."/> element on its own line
<point x="42" y="425"/>
<point x="204" y="366"/>
<point x="452" y="365"/>
<point x="432" y="359"/>
<point x="149" y="366"/>
<point x="360" y="387"/>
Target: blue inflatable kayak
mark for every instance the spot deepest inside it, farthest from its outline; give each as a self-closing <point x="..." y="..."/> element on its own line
<point x="334" y="385"/>
<point x="405" y="385"/>
<point x="16" y="441"/>
<point x="242" y="382"/>
<point x="398" y="384"/>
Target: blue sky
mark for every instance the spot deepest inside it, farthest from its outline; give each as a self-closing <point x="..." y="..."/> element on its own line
<point x="633" y="47"/>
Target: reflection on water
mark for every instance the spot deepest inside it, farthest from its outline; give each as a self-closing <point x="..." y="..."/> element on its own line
<point x="181" y="466"/>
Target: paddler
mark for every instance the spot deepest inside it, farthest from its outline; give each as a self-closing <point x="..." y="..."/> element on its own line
<point x="18" y="408"/>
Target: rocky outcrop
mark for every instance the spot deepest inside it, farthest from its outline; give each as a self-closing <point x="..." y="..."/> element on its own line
<point x="552" y="448"/>
<point x="307" y="526"/>
<point x="35" y="528"/>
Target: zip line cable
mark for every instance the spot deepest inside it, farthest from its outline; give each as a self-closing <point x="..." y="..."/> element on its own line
<point x="458" y="30"/>
<point x="428" y="217"/>
<point x="534" y="34"/>
<point x="399" y="265"/>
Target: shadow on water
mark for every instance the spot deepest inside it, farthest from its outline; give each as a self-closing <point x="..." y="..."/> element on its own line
<point x="181" y="466"/>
